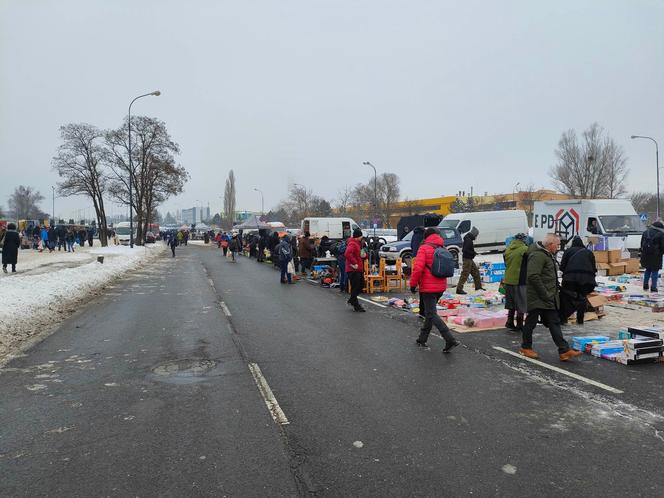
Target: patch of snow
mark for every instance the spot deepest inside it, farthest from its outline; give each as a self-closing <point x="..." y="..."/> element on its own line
<point x="49" y="284"/>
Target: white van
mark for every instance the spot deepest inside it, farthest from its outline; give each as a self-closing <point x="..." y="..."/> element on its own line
<point x="122" y="231"/>
<point x="334" y="228"/>
<point x="494" y="226"/>
<point x="615" y="218"/>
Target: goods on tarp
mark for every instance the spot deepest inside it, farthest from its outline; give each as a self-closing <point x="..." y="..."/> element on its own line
<point x="636" y="346"/>
<point x="580" y="342"/>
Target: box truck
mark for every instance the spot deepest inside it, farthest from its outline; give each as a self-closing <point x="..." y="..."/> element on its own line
<point x="613" y="218"/>
<point x="494" y="226"/>
<point x="334" y="228"/>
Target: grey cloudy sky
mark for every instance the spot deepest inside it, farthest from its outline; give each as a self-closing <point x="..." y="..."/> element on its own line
<point x="446" y="94"/>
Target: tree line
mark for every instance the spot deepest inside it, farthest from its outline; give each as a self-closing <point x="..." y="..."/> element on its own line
<point x="95" y="163"/>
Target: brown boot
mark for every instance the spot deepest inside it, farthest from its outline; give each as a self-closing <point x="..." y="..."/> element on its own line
<point x="528" y="353"/>
<point x="570" y="353"/>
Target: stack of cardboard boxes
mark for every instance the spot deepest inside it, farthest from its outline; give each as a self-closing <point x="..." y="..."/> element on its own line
<point x="612" y="263"/>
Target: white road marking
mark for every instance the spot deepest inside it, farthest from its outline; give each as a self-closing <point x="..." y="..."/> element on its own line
<point x="372" y="302"/>
<point x="224" y="308"/>
<point x="561" y="371"/>
<point x="270" y="401"/>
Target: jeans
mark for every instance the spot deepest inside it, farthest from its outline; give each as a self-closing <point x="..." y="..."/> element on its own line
<point x="432" y="318"/>
<point x="283" y="265"/>
<point x="70" y="246"/>
<point x="653" y="276"/>
<point x="356" y="283"/>
<point x="469" y="268"/>
<point x="550" y="319"/>
<point x="343" y="276"/>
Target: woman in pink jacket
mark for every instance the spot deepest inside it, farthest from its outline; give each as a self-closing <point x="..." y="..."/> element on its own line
<point x="431" y="288"/>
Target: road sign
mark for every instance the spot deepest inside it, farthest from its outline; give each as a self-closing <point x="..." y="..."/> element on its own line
<point x="644" y="216"/>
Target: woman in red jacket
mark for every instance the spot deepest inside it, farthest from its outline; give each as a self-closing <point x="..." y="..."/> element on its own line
<point x="431" y="288"/>
<point x="355" y="268"/>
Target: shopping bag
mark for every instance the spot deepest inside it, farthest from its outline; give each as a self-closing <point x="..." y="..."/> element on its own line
<point x="291" y="267"/>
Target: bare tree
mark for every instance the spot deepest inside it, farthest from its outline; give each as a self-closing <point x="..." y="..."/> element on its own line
<point x="592" y="168"/>
<point x="527" y="197"/>
<point x="368" y="201"/>
<point x="24" y="204"/>
<point x="644" y="202"/>
<point x="344" y="200"/>
<point x="229" y="199"/>
<point x="389" y="192"/>
<point x="78" y="163"/>
<point x="153" y="161"/>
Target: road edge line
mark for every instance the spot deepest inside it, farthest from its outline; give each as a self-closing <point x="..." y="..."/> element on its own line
<point x="224" y="308"/>
<point x="370" y="301"/>
<point x="561" y="371"/>
<point x="273" y="407"/>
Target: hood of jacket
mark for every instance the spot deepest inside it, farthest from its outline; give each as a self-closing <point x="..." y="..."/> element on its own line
<point x="435" y="239"/>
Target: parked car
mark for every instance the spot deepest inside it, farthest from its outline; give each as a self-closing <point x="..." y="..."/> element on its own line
<point x="150" y="238"/>
<point x="401" y="248"/>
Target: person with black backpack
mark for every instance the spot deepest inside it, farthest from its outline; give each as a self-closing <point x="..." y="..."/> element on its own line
<point x="285" y="255"/>
<point x="652" y="249"/>
<point x="433" y="265"/>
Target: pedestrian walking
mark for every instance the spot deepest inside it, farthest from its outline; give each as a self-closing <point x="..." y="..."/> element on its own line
<point x="233" y="246"/>
<point x="172" y="243"/>
<point x="70" y="239"/>
<point x="262" y="243"/>
<point x="91" y="235"/>
<point x="355" y="268"/>
<point x="340" y="251"/>
<point x="469" y="267"/>
<point x="225" y="242"/>
<point x="579" y="270"/>
<point x="516" y="274"/>
<point x="543" y="298"/>
<point x="43" y="233"/>
<point x="431" y="289"/>
<point x="10" y="244"/>
<point x="306" y="253"/>
<point x="652" y="249"/>
<point x="284" y="253"/>
<point x="415" y="242"/>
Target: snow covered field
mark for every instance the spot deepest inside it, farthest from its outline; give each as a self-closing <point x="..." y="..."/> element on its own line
<point x="47" y="285"/>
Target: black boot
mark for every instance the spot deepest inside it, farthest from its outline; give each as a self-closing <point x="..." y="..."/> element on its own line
<point x="510" y="320"/>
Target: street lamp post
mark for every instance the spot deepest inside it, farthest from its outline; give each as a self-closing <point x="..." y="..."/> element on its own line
<point x="373" y="222"/>
<point x="514" y="192"/>
<point x="656" y="164"/>
<point x="156" y="93"/>
<point x="262" y="201"/>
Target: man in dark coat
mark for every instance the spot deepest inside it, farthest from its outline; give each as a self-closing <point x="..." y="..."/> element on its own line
<point x="10" y="246"/>
<point x="543" y="298"/>
<point x="652" y="249"/>
<point x="579" y="270"/>
<point x="469" y="267"/>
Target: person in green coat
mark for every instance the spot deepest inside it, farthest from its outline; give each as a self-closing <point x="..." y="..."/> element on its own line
<point x="515" y="281"/>
<point x="543" y="297"/>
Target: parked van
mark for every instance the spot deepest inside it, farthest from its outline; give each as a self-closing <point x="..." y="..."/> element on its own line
<point x="122" y="231"/>
<point x="494" y="226"/>
<point x="334" y="228"/>
<point x="615" y="218"/>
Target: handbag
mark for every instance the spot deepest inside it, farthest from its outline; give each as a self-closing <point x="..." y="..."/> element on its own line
<point x="291" y="267"/>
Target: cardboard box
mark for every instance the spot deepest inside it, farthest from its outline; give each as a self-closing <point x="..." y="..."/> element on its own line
<point x="616" y="269"/>
<point x="615" y="255"/>
<point x="596" y="301"/>
<point x="632" y="266"/>
<point x="601" y="256"/>
<point x="602" y="266"/>
<point x="600" y="272"/>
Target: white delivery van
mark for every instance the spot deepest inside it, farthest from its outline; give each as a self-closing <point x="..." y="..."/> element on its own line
<point x="334" y="228"/>
<point x="494" y="226"/>
<point x="122" y="231"/>
<point x="615" y="218"/>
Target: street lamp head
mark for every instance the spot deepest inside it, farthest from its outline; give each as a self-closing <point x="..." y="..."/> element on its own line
<point x="156" y="93"/>
<point x="633" y="136"/>
<point x="366" y="163"/>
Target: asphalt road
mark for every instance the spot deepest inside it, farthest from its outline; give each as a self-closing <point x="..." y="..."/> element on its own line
<point x="148" y="392"/>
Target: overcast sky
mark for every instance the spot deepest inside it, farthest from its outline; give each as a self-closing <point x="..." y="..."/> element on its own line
<point x="446" y="94"/>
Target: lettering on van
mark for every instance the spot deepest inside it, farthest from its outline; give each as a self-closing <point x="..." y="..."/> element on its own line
<point x="565" y="223"/>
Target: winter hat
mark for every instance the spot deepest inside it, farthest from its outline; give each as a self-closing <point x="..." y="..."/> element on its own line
<point x="474" y="232"/>
<point x="521" y="236"/>
<point x="357" y="233"/>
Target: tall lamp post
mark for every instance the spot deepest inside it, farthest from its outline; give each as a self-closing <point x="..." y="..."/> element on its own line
<point x="367" y="163"/>
<point x="656" y="163"/>
<point x="53" y="212"/>
<point x="514" y="192"/>
<point x="156" y="93"/>
<point x="262" y="201"/>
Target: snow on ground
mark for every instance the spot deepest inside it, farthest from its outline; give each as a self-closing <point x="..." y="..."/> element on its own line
<point x="48" y="285"/>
